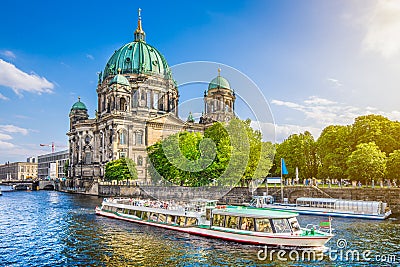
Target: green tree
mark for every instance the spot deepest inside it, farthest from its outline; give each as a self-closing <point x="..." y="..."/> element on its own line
<point x="298" y="150"/>
<point x="225" y="155"/>
<point x="366" y="163"/>
<point x="393" y="165"/>
<point x="378" y="129"/>
<point x="121" y="169"/>
<point x="333" y="149"/>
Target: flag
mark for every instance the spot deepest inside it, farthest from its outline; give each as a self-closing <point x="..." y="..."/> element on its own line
<point x="283" y="167"/>
<point x="326" y="224"/>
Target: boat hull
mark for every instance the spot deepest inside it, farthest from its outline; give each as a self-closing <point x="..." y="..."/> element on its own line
<point x="244" y="237"/>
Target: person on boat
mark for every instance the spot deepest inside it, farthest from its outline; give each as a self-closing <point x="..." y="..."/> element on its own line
<point x="244" y="226"/>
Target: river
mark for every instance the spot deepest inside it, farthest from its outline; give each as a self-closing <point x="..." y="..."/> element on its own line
<point x="49" y="228"/>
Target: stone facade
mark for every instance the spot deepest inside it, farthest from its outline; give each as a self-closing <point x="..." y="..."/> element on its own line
<point x="18" y="171"/>
<point x="137" y="106"/>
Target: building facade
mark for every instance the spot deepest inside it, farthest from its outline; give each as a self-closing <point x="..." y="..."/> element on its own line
<point x="18" y="171"/>
<point x="52" y="165"/>
<point x="137" y="106"/>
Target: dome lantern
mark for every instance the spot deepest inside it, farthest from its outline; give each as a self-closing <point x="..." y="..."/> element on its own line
<point x="139" y="34"/>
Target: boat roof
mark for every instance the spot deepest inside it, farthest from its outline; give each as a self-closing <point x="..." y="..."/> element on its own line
<point x="332" y="200"/>
<point x="261" y="213"/>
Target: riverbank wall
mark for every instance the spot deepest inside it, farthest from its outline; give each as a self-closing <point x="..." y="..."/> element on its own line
<point x="240" y="195"/>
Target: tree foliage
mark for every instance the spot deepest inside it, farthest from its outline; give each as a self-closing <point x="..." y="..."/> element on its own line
<point x="393" y="165"/>
<point x="366" y="163"/>
<point x="328" y="156"/>
<point x="333" y="148"/>
<point x="298" y="150"/>
<point x="225" y="154"/>
<point x="121" y="169"/>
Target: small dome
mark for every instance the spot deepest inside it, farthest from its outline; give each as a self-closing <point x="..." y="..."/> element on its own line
<point x="119" y="79"/>
<point x="219" y="82"/>
<point x="79" y="105"/>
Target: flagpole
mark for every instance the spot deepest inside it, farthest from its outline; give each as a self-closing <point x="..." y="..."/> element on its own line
<point x="281" y="183"/>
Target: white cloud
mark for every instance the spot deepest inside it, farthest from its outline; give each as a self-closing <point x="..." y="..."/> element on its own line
<point x="89" y="56"/>
<point x="279" y="132"/>
<point x="383" y="28"/>
<point x="13" y="129"/>
<point x="5" y="136"/>
<point x="3" y="97"/>
<point x="320" y="112"/>
<point x="19" y="81"/>
<point x="335" y="82"/>
<point x="5" y="145"/>
<point x="315" y="100"/>
<point x="8" y="54"/>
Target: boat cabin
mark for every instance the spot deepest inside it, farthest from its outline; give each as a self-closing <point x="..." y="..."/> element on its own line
<point x="159" y="215"/>
<point x="359" y="206"/>
<point x="257" y="220"/>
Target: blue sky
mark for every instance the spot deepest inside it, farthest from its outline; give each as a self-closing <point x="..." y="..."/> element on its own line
<point x="316" y="62"/>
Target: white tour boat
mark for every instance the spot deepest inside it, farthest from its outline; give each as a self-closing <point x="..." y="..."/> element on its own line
<point x="377" y="210"/>
<point x="233" y="223"/>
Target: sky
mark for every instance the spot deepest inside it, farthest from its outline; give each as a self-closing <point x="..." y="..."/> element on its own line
<point x="315" y="63"/>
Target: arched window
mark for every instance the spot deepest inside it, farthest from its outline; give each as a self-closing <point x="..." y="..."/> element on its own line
<point x="148" y="96"/>
<point x="139" y="138"/>
<point x="155" y="100"/>
<point x="135" y="99"/>
<point x="101" y="139"/>
<point x="122" y="138"/>
<point x="122" y="104"/>
<point x="139" y="160"/>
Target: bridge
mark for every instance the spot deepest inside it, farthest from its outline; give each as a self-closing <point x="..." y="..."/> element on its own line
<point x="31" y="185"/>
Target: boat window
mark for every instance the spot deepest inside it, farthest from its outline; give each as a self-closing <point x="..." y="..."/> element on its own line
<point x="171" y="219"/>
<point x="153" y="216"/>
<point x="191" y="221"/>
<point x="294" y="224"/>
<point x="180" y="220"/>
<point x="281" y="225"/>
<point x="208" y="214"/>
<point x="232" y="222"/>
<point x="162" y="218"/>
<point x="126" y="211"/>
<point x="247" y="224"/>
<point x="113" y="209"/>
<point x="138" y="213"/>
<point x="263" y="225"/>
<point x="119" y="210"/>
<point x="218" y="220"/>
<point x="106" y="207"/>
<point x="131" y="212"/>
<point x="145" y="215"/>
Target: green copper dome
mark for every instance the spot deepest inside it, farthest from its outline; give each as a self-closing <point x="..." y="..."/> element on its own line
<point x="219" y="82"/>
<point x="137" y="57"/>
<point x="78" y="105"/>
<point x="119" y="79"/>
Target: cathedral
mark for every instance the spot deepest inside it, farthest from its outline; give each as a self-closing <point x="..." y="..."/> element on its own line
<point x="137" y="105"/>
